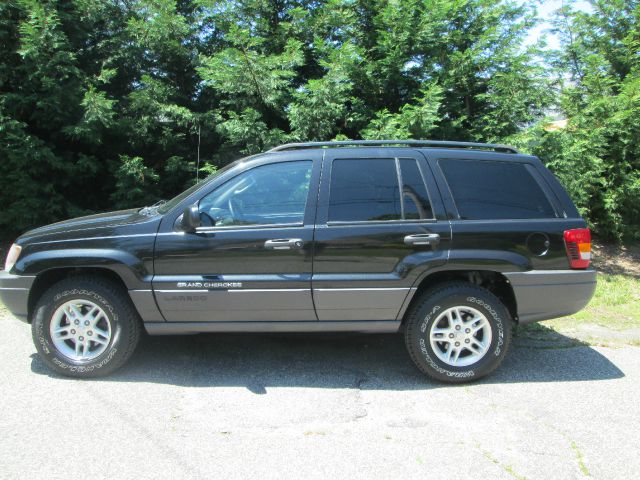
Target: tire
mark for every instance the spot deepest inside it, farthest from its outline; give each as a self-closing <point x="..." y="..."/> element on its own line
<point x="431" y="329"/>
<point x="90" y="309"/>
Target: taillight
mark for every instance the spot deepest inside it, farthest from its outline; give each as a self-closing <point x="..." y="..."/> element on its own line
<point x="578" y="243"/>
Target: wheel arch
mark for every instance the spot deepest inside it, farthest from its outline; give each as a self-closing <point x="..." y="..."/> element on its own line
<point x="49" y="277"/>
<point x="495" y="282"/>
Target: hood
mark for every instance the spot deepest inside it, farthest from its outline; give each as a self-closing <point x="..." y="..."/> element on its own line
<point x="122" y="222"/>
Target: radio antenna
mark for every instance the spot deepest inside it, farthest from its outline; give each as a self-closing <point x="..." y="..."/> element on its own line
<point x="198" y="157"/>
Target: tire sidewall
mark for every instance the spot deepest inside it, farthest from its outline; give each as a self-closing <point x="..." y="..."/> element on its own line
<point x="491" y="308"/>
<point x="45" y="309"/>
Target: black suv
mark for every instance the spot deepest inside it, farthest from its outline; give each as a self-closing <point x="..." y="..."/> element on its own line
<point x="447" y="242"/>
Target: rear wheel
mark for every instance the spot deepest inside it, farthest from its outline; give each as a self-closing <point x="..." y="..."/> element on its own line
<point x="457" y="332"/>
<point x="85" y="327"/>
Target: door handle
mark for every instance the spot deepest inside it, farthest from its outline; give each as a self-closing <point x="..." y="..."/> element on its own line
<point x="284" y="244"/>
<point x="432" y="239"/>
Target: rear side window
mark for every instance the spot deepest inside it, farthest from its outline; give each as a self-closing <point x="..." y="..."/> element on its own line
<point x="370" y="190"/>
<point x="414" y="193"/>
<point x="364" y="190"/>
<point x="495" y="190"/>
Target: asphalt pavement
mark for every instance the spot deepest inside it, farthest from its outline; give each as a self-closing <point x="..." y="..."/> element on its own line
<point x="316" y="407"/>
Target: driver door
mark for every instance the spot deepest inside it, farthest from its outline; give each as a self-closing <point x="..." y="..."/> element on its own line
<point x="251" y="258"/>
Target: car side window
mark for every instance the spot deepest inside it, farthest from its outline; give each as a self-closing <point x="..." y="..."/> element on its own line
<point x="270" y="194"/>
<point x="414" y="192"/>
<point x="495" y="190"/>
<point x="370" y="190"/>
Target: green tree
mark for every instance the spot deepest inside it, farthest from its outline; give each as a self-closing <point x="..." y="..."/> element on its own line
<point x="597" y="156"/>
<point x="109" y="103"/>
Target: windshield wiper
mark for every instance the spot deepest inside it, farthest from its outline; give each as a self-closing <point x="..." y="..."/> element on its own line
<point x="151" y="208"/>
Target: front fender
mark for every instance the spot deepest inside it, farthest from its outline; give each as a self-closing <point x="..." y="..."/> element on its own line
<point x="127" y="266"/>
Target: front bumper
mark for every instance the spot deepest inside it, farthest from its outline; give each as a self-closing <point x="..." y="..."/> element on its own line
<point x="14" y="293"/>
<point x="546" y="294"/>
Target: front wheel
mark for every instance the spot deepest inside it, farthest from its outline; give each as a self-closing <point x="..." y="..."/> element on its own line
<point x="458" y="332"/>
<point x="85" y="327"/>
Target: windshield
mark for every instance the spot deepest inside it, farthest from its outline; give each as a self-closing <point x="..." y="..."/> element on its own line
<point x="165" y="207"/>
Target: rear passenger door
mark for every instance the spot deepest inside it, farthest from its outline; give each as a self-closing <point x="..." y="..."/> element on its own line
<point x="380" y="225"/>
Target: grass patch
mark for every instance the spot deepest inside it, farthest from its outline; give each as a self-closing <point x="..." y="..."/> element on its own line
<point x="580" y="458"/>
<point x="615" y="305"/>
<point x="612" y="316"/>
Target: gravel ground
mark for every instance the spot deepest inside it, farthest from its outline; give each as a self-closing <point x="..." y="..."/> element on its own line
<point x="337" y="406"/>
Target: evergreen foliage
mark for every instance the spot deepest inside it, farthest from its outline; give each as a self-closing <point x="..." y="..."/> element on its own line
<point x="103" y="103"/>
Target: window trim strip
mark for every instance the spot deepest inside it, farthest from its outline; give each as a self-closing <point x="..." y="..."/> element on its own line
<point x="400" y="186"/>
<point x="227" y="228"/>
<point x="334" y="223"/>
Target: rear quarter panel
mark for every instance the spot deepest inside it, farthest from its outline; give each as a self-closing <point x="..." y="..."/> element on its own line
<point x="530" y="253"/>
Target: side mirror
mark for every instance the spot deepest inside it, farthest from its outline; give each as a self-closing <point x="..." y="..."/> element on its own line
<point x="190" y="219"/>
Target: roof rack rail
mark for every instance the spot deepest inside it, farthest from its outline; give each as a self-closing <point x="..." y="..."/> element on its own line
<point x="409" y="143"/>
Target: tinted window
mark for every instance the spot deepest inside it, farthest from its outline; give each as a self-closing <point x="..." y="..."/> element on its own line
<point x="270" y="194"/>
<point x="414" y="192"/>
<point x="364" y="190"/>
<point x="500" y="190"/>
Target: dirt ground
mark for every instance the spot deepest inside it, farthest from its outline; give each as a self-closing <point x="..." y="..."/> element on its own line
<point x="617" y="259"/>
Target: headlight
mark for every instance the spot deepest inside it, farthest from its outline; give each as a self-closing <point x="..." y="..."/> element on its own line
<point x="12" y="257"/>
